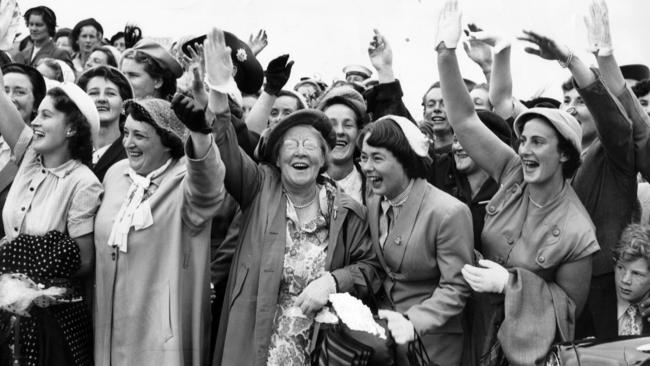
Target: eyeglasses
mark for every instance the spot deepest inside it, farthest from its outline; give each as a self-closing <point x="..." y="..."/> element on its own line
<point x="291" y="145"/>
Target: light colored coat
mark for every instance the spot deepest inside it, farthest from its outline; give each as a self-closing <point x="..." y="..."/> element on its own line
<point x="256" y="272"/>
<point x="152" y="302"/>
<point x="423" y="254"/>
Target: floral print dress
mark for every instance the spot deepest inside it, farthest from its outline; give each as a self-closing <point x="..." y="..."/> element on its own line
<point x="304" y="261"/>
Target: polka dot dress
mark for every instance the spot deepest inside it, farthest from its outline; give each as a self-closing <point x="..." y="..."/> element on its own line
<point x="51" y="260"/>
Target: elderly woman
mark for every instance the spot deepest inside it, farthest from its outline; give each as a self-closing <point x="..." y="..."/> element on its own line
<point x="346" y="110"/>
<point x="538" y="239"/>
<point x="422" y="236"/>
<point x="85" y="35"/>
<point x="25" y="88"/>
<point x="109" y="89"/>
<point x="48" y="220"/>
<point x="151" y="70"/>
<point x="301" y="238"/>
<point x="41" y="22"/>
<point x="152" y="238"/>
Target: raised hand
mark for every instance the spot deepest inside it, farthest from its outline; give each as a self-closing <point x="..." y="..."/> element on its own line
<point x="598" y="31"/>
<point x="259" y="42"/>
<point x="278" y="73"/>
<point x="191" y="113"/>
<point x="477" y="49"/>
<point x="380" y="52"/>
<point x="218" y="62"/>
<point x="449" y="26"/>
<point x="546" y="48"/>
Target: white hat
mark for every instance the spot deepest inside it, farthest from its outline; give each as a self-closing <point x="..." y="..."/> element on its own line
<point x="83" y="102"/>
<point x="417" y="140"/>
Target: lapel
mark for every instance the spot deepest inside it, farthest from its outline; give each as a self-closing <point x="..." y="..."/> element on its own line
<point x="400" y="234"/>
<point x="45" y="50"/>
<point x="272" y="255"/>
<point x="113" y="154"/>
<point x="336" y="223"/>
<point x="7" y="175"/>
<point x="373" y="217"/>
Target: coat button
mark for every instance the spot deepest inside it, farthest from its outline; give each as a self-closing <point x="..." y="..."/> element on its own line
<point x="510" y="241"/>
<point x="541" y="259"/>
<point x="43" y="171"/>
<point x="31" y="189"/>
<point x="15" y="229"/>
<point x="22" y="209"/>
<point x="398" y="241"/>
<point x="556" y="232"/>
<point x="491" y="209"/>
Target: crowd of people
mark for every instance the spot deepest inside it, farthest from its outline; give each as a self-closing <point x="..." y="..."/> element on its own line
<point x="185" y="206"/>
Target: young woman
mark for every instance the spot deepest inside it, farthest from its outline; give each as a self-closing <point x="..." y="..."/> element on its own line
<point x="109" y="89"/>
<point x="41" y="22"/>
<point x="422" y="236"/>
<point x="84" y="37"/>
<point x="54" y="195"/>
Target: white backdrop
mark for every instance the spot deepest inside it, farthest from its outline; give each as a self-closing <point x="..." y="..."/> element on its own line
<point x="324" y="35"/>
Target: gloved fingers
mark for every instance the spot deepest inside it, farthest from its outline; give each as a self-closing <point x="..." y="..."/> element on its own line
<point x="488" y="263"/>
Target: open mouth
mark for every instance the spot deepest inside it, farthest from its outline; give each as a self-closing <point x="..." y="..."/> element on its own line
<point x="299" y="166"/>
<point x="39" y="133"/>
<point x="530" y="164"/>
<point x="624" y="291"/>
<point x="134" y="154"/>
<point x="438" y="119"/>
<point x="375" y="180"/>
<point x="461" y="154"/>
<point x="103" y="108"/>
<point x="341" y="143"/>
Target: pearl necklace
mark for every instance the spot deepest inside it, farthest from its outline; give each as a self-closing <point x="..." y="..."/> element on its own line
<point x="299" y="207"/>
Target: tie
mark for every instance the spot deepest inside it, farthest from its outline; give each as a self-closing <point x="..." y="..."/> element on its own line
<point x="384" y="221"/>
<point x="630" y="325"/>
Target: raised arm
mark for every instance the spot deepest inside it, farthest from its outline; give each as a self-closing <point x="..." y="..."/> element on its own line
<point x="11" y="124"/>
<point x="278" y="73"/>
<point x="478" y="51"/>
<point x="487" y="150"/>
<point x="243" y="177"/>
<point x="386" y="97"/>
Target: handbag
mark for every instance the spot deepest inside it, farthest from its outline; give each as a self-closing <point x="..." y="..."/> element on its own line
<point x="593" y="352"/>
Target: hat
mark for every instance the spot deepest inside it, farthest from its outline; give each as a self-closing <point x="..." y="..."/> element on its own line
<point x="309" y="81"/>
<point x="346" y="95"/>
<point x="38" y="82"/>
<point x="636" y="72"/>
<point x="496" y="124"/>
<point x="545" y="102"/>
<point x="74" y="35"/>
<point x="160" y="55"/>
<point x="107" y="72"/>
<point x="418" y="142"/>
<point x="85" y="104"/>
<point x="250" y="75"/>
<point x="160" y="114"/>
<point x="310" y="117"/>
<point x="563" y="122"/>
<point x="357" y="70"/>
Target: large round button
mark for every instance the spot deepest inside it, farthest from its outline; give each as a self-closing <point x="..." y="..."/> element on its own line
<point x="491" y="209"/>
<point x="541" y="259"/>
<point x="510" y="241"/>
<point x="556" y="231"/>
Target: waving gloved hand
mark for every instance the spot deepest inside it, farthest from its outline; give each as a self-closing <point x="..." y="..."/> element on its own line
<point x="449" y="25"/>
<point x="490" y="277"/>
<point x="278" y="73"/>
<point x="598" y="34"/>
<point x="191" y="113"/>
<point x="400" y="328"/>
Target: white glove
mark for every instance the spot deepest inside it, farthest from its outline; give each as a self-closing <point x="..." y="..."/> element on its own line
<point x="598" y="33"/>
<point x="400" y="328"/>
<point x="449" y="25"/>
<point x="218" y="62"/>
<point x="490" y="277"/>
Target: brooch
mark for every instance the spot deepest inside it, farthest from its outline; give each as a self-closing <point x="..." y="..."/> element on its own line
<point x="241" y="55"/>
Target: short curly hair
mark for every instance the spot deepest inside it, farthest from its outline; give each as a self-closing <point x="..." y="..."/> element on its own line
<point x="80" y="144"/>
<point x="156" y="71"/>
<point x="642" y="88"/>
<point x="633" y="244"/>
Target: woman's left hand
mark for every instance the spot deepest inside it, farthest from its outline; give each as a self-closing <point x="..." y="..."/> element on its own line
<point x="400" y="328"/>
<point x="547" y="48"/>
<point x="492" y="277"/>
<point x="191" y="113"/>
<point x="316" y="294"/>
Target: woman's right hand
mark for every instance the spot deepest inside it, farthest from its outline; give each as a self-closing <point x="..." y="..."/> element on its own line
<point x="547" y="48"/>
<point x="400" y="328"/>
<point x="218" y="62"/>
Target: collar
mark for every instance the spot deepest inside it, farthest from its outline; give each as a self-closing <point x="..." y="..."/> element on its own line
<point x="62" y="170"/>
<point x="402" y="197"/>
<point x="622" y="305"/>
<point x="4" y="146"/>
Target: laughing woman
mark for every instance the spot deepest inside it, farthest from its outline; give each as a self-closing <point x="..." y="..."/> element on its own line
<point x="54" y="190"/>
<point x="538" y="239"/>
<point x="152" y="239"/>
<point x="422" y="236"/>
<point x="108" y="88"/>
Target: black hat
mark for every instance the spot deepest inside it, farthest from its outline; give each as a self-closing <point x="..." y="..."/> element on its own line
<point x="497" y="125"/>
<point x="249" y="75"/>
<point x="74" y="35"/>
<point x="542" y="102"/>
<point x="636" y="72"/>
<point x="310" y="117"/>
<point x="38" y="83"/>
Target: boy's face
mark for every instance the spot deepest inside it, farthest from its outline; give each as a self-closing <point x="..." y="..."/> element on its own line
<point x="632" y="279"/>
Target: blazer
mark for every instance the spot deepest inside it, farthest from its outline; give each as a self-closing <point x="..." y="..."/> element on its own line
<point x="428" y="244"/>
<point x="49" y="49"/>
<point x="112" y="155"/>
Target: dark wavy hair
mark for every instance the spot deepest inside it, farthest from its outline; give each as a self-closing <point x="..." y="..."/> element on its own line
<point x="167" y="139"/>
<point x="386" y="133"/>
<point x="48" y="16"/>
<point x="642" y="88"/>
<point x="80" y="144"/>
<point x="110" y="59"/>
<point x="114" y="76"/>
<point x="115" y="37"/>
<point x="76" y="32"/>
<point x="156" y="71"/>
<point x="52" y="64"/>
<point x="573" y="162"/>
